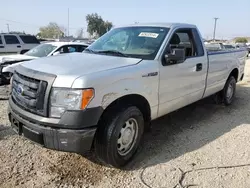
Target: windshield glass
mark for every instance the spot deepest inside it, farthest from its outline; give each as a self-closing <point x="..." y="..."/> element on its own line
<point x="42" y="50"/>
<point x="138" y="42"/>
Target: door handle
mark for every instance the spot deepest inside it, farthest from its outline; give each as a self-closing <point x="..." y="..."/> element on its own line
<point x="19" y="46"/>
<point x="199" y="67"/>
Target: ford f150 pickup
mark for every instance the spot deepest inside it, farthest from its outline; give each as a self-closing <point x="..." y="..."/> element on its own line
<point x="103" y="99"/>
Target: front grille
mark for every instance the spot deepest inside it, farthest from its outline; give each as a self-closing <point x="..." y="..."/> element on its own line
<point x="29" y="93"/>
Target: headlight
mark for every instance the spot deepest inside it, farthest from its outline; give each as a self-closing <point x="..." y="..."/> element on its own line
<point x="69" y="99"/>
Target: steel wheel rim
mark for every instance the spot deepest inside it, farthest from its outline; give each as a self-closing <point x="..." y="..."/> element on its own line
<point x="230" y="91"/>
<point x="127" y="137"/>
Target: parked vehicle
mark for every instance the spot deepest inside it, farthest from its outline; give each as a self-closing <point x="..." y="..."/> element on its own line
<point x="248" y="49"/>
<point x="228" y="46"/>
<point x="17" y="43"/>
<point x="104" y="98"/>
<point x="9" y="62"/>
<point x="214" y="46"/>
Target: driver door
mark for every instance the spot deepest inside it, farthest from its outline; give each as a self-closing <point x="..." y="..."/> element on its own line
<point x="183" y="83"/>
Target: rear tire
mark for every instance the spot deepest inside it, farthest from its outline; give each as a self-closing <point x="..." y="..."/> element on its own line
<point x="118" y="137"/>
<point x="228" y="93"/>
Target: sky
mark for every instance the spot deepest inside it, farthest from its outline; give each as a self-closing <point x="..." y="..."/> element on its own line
<point x="29" y="15"/>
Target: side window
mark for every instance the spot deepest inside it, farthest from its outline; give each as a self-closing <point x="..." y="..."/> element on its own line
<point x="185" y="41"/>
<point x="72" y="49"/>
<point x="11" y="39"/>
<point x="28" y="39"/>
<point x="67" y="49"/>
<point x="1" y="42"/>
<point x="81" y="48"/>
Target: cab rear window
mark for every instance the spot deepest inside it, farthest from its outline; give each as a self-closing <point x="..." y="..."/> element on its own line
<point x="29" y="39"/>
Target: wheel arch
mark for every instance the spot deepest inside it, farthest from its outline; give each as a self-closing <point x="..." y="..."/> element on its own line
<point x="235" y="74"/>
<point x="130" y="100"/>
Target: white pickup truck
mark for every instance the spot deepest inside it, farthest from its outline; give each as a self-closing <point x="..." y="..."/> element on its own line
<point x="104" y="98"/>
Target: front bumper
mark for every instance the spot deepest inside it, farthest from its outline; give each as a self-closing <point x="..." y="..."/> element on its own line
<point x="62" y="139"/>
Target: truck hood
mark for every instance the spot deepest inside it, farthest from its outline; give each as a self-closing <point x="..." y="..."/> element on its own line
<point x="68" y="67"/>
<point x="78" y="64"/>
<point x="16" y="57"/>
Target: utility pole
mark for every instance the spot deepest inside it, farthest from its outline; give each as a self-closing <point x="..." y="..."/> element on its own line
<point x="215" y="24"/>
<point x="8" y="27"/>
<point x="68" y="21"/>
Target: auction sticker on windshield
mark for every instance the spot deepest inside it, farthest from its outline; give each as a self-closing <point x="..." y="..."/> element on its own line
<point x="147" y="34"/>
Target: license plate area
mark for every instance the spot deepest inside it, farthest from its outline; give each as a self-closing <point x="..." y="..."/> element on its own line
<point x="16" y="125"/>
<point x="21" y="129"/>
<point x="33" y="135"/>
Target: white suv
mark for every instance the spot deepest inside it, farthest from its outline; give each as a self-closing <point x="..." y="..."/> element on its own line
<point x="17" y="43"/>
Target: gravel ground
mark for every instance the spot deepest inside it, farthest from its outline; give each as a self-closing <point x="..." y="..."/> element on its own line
<point x="204" y="145"/>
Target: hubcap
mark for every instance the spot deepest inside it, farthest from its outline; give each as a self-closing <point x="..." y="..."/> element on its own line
<point x="127" y="137"/>
<point x="230" y="91"/>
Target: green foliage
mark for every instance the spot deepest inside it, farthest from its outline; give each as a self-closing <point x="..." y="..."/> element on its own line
<point x="96" y="25"/>
<point x="52" y="30"/>
<point x="241" y="40"/>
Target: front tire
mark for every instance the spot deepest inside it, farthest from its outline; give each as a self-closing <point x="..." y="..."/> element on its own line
<point x="229" y="90"/>
<point x="118" y="136"/>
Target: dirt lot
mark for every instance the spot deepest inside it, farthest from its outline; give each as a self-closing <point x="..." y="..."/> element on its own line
<point x="203" y="145"/>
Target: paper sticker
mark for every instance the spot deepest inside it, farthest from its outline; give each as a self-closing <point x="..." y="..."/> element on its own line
<point x="146" y="34"/>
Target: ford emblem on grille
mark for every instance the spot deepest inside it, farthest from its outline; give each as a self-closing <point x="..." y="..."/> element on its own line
<point x="19" y="89"/>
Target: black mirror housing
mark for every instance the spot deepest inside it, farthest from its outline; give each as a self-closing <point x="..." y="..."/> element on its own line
<point x="176" y="56"/>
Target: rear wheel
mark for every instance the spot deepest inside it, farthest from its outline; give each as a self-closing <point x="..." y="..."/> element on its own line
<point x="118" y="136"/>
<point x="228" y="92"/>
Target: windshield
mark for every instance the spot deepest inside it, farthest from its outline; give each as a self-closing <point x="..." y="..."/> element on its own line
<point x="42" y="50"/>
<point x="138" y="42"/>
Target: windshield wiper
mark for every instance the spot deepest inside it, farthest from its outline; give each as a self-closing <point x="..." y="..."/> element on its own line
<point x="113" y="52"/>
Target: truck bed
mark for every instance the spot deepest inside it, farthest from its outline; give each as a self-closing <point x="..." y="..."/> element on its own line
<point x="220" y="63"/>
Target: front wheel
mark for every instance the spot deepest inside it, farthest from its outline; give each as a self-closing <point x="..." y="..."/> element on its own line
<point x="118" y="137"/>
<point x="228" y="92"/>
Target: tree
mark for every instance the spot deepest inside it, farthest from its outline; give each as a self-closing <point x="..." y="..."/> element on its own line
<point x="241" y="40"/>
<point x="52" y="30"/>
<point x="96" y="25"/>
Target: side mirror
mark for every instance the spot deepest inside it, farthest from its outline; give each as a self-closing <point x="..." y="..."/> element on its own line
<point x="56" y="53"/>
<point x="176" y="56"/>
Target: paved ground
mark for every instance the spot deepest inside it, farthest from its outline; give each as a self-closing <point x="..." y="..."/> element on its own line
<point x="204" y="145"/>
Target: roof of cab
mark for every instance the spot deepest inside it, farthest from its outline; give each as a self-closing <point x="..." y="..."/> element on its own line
<point x="161" y="24"/>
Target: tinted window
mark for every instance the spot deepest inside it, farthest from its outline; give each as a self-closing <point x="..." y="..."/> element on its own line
<point x="81" y="48"/>
<point x="184" y="39"/>
<point x="11" y="39"/>
<point x="29" y="39"/>
<point x="1" y="40"/>
<point x="67" y="49"/>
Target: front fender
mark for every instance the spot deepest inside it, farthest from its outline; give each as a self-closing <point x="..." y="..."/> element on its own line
<point x="147" y="88"/>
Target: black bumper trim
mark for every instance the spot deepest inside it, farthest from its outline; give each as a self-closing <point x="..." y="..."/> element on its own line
<point x="77" y="141"/>
<point x="70" y="119"/>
